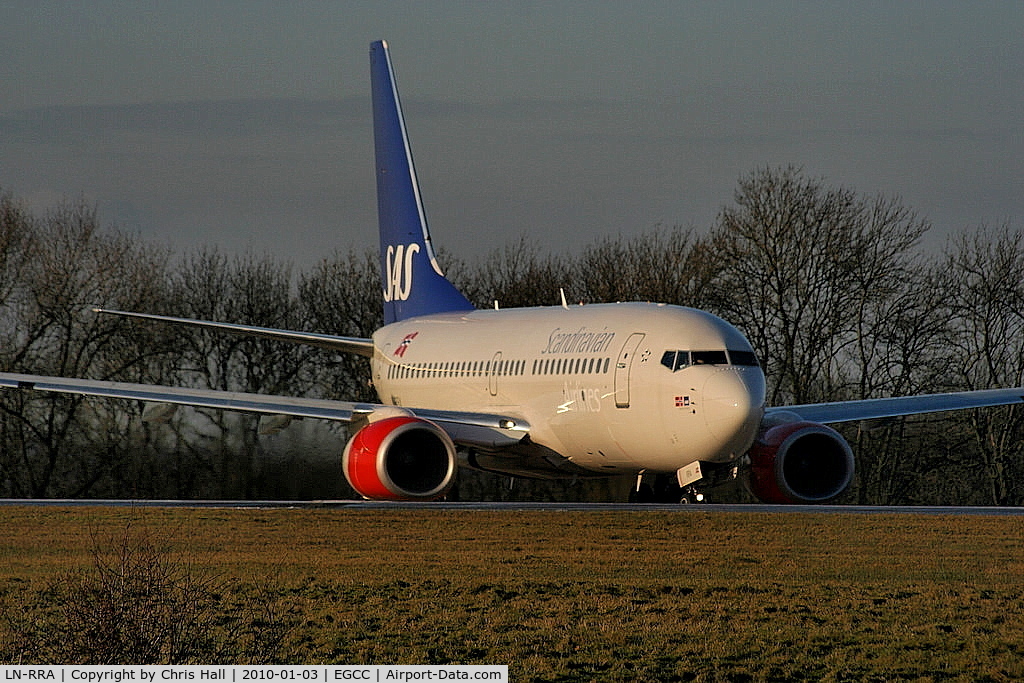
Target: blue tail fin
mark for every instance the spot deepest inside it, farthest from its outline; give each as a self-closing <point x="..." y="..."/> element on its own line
<point x="413" y="282"/>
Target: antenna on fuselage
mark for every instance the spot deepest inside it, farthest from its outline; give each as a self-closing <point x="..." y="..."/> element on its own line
<point x="565" y="304"/>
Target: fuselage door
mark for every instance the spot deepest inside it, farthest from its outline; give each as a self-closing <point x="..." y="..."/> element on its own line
<point x="495" y="363"/>
<point x="622" y="368"/>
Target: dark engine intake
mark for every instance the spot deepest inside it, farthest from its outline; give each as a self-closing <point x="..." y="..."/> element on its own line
<point x="400" y="458"/>
<point x="800" y="462"/>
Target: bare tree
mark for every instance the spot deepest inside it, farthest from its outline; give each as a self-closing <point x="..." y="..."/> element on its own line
<point x="985" y="290"/>
<point x="342" y="296"/>
<point x="662" y="265"/>
<point x="901" y="350"/>
<point x="63" y="445"/>
<point x="804" y="267"/>
<point x="517" y="275"/>
<point x="826" y="283"/>
<point x="254" y="290"/>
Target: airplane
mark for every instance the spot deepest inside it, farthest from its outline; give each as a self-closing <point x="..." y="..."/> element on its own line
<point x="670" y="395"/>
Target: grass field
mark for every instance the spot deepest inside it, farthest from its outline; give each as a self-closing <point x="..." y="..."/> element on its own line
<point x="558" y="596"/>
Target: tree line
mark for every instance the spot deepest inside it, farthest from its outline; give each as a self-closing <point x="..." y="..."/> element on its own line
<point x="832" y="287"/>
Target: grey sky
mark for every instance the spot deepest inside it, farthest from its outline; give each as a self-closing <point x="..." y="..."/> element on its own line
<point x="247" y="124"/>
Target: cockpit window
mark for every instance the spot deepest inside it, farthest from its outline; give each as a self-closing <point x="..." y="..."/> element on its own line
<point x="668" y="359"/>
<point x="743" y="358"/>
<point x="708" y="358"/>
<point x="677" y="360"/>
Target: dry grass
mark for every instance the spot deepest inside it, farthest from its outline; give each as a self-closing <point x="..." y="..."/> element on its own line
<point x="692" y="595"/>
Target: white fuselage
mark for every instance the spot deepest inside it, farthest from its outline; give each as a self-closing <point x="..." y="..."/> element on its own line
<point x="613" y="388"/>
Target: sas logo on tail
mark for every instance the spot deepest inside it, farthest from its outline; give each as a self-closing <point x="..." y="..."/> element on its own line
<point x="398" y="271"/>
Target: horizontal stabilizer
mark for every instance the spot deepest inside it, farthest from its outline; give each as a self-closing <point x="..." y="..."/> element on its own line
<point x="363" y="347"/>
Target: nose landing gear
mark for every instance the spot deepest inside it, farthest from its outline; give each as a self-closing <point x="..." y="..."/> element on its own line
<point x="663" y="488"/>
<point x="666" y="487"/>
<point x="690" y="494"/>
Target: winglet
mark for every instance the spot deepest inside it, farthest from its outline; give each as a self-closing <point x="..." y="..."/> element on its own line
<point x="413" y="282"/>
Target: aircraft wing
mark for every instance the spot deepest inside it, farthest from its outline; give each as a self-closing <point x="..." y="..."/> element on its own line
<point x="363" y="347"/>
<point x="470" y="429"/>
<point x="882" y="408"/>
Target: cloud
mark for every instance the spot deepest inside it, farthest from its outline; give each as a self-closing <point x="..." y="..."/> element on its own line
<point x="247" y="117"/>
<point x="294" y="176"/>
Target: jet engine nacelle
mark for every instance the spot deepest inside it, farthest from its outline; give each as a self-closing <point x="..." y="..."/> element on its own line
<point x="400" y="458"/>
<point x="800" y="462"/>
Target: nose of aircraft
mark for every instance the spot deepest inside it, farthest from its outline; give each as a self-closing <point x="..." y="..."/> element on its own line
<point x="733" y="407"/>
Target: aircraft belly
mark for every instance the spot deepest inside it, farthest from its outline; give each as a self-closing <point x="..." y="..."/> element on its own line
<point x="588" y="442"/>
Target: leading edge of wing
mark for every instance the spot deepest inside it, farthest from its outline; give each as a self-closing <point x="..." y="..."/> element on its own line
<point x="471" y="429"/>
<point x="882" y="408"/>
<point x="358" y="345"/>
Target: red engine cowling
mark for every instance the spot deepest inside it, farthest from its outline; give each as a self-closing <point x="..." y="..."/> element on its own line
<point x="800" y="462"/>
<point x="400" y="458"/>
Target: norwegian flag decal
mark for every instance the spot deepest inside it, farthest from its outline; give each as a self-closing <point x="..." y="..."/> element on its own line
<point x="682" y="401"/>
<point x="404" y="344"/>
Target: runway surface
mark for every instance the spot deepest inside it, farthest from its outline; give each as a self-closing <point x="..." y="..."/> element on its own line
<point x="358" y="505"/>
